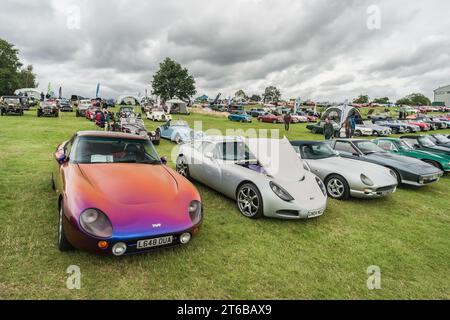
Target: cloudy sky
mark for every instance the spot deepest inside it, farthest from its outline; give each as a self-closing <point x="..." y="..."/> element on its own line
<point x="323" y="50"/>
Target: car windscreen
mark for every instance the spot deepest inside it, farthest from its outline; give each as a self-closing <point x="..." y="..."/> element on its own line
<point x="11" y="100"/>
<point x="315" y="151"/>
<point x="234" y="151"/>
<point x="441" y="138"/>
<point x="113" y="150"/>
<point x="425" y="141"/>
<point x="368" y="147"/>
<point x="405" y="144"/>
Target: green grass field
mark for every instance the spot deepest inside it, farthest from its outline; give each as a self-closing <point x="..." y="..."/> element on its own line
<point x="407" y="235"/>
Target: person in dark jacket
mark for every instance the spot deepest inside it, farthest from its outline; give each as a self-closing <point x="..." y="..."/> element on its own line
<point x="328" y="129"/>
<point x="287" y="120"/>
<point x="352" y="126"/>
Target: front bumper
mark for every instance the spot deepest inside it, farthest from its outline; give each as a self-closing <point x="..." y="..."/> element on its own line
<point x="423" y="180"/>
<point x="82" y="241"/>
<point x="370" y="193"/>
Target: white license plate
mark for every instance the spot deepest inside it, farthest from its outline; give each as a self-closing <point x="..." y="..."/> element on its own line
<point x="315" y="213"/>
<point x="156" y="242"/>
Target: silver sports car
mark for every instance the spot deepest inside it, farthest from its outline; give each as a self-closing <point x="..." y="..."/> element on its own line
<point x="345" y="177"/>
<point x="264" y="176"/>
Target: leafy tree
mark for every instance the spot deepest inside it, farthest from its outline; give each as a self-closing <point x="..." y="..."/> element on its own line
<point x="12" y="77"/>
<point x="384" y="100"/>
<point x="403" y="101"/>
<point x="271" y="94"/>
<point x="27" y="79"/>
<point x="255" y="98"/>
<point x="9" y="67"/>
<point x="418" y="99"/>
<point x="240" y="94"/>
<point x="414" y="99"/>
<point x="173" y="81"/>
<point x="362" y="99"/>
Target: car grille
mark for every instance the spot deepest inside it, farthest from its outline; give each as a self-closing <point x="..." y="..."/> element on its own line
<point x="388" y="188"/>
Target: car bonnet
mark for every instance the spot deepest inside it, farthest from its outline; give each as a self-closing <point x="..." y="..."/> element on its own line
<point x="278" y="158"/>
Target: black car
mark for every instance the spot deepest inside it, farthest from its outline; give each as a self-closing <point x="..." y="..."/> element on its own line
<point x="11" y="105"/>
<point x="64" y="105"/>
<point x="425" y="143"/>
<point x="408" y="170"/>
<point x="48" y="108"/>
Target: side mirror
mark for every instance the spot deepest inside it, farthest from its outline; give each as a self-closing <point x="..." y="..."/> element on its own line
<point x="164" y="160"/>
<point x="209" y="155"/>
<point x="62" y="158"/>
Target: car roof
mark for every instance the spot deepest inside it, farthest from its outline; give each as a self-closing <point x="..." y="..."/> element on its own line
<point x="351" y="140"/>
<point x="109" y="134"/>
<point x="306" y="142"/>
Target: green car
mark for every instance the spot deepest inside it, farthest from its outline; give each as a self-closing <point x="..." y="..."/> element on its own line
<point x="318" y="128"/>
<point x="400" y="147"/>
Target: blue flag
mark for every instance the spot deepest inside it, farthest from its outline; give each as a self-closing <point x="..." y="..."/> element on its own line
<point x="98" y="90"/>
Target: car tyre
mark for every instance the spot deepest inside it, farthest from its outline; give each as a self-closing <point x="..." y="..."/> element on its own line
<point x="249" y="201"/>
<point x="313" y="130"/>
<point x="63" y="243"/>
<point x="337" y="187"/>
<point x="358" y="133"/>
<point x="182" y="167"/>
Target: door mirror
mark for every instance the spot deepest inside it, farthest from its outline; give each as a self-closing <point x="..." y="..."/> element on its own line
<point x="61" y="158"/>
<point x="164" y="160"/>
<point x="209" y="155"/>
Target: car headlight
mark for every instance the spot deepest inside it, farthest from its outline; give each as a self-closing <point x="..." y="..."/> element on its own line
<point x="280" y="192"/>
<point x="392" y="173"/>
<point x="96" y="223"/>
<point x="366" y="180"/>
<point x="322" y="186"/>
<point x="195" y="211"/>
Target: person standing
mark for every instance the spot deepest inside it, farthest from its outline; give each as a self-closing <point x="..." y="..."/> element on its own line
<point x="287" y="121"/>
<point x="352" y="126"/>
<point x="328" y="129"/>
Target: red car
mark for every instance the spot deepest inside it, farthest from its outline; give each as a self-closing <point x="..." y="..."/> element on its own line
<point x="423" y="126"/>
<point x="90" y="113"/>
<point x="271" y="118"/>
<point x="312" y="118"/>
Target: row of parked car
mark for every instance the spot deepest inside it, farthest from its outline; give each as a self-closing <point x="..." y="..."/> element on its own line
<point x="386" y="126"/>
<point x="105" y="174"/>
<point x="272" y="116"/>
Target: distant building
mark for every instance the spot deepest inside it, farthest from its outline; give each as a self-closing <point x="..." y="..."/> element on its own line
<point x="442" y="94"/>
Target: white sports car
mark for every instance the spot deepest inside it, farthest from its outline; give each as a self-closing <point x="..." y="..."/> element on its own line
<point x="158" y="115"/>
<point x="264" y="176"/>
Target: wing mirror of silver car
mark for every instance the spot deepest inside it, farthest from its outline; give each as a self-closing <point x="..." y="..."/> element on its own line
<point x="163" y="160"/>
<point x="209" y="155"/>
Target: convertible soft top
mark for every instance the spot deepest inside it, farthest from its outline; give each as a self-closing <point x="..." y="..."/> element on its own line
<point x="109" y="134"/>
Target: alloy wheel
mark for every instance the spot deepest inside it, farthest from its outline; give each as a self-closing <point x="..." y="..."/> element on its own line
<point x="335" y="188"/>
<point x="248" y="201"/>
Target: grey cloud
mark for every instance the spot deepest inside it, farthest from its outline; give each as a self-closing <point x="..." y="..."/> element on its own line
<point x="319" y="49"/>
